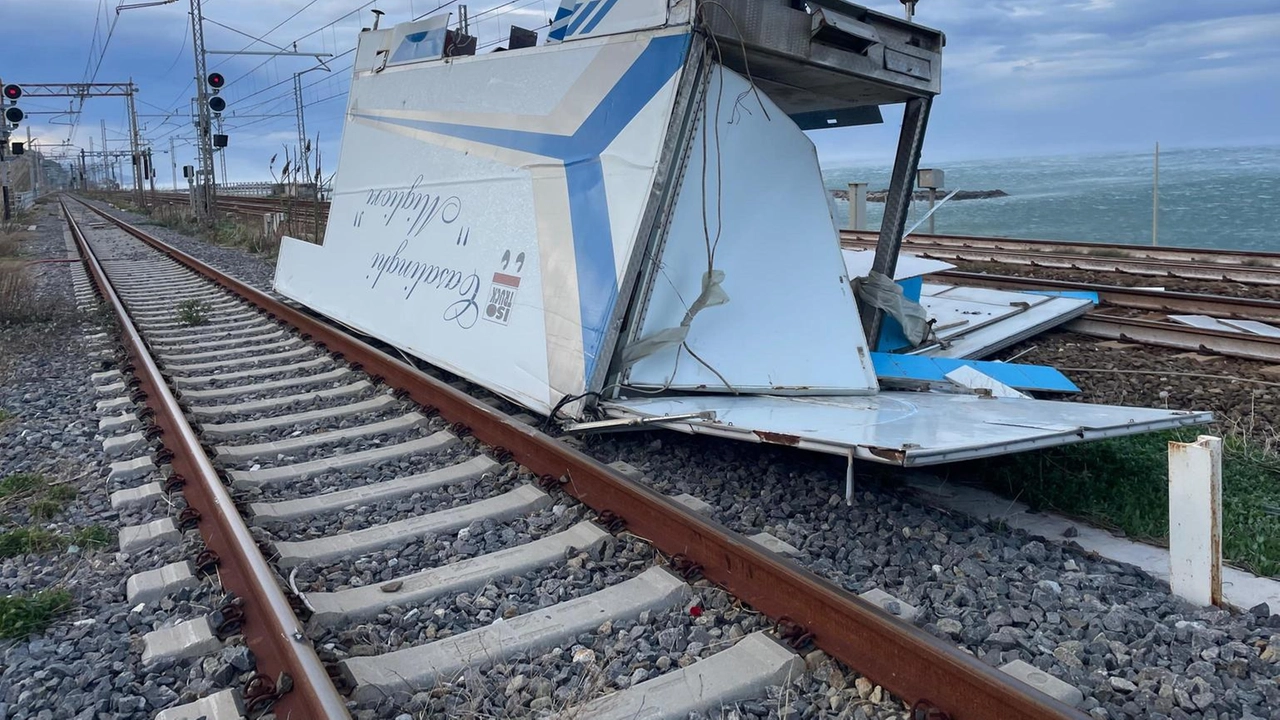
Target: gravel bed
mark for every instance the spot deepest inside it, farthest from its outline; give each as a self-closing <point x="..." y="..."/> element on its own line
<point x="256" y="271"/>
<point x="217" y="383"/>
<point x="355" y="477"/>
<point x="316" y="427"/>
<point x="251" y="394"/>
<point x="327" y="450"/>
<point x="364" y="515"/>
<point x="1155" y="377"/>
<point x="1109" y="629"/>
<point x="86" y="664"/>
<point x="610" y="658"/>
<point x="249" y="344"/>
<point x="581" y="574"/>
<point x="1206" y="287"/>
<point x="297" y="406"/>
<point x="428" y="551"/>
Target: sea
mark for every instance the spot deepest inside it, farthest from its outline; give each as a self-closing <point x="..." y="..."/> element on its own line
<point x="1213" y="198"/>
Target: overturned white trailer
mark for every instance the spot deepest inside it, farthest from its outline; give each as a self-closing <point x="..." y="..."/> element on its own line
<point x="629" y="221"/>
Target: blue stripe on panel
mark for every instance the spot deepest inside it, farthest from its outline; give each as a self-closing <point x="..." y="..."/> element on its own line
<point x="604" y="10"/>
<point x="582" y="15"/>
<point x="561" y="21"/>
<point x="584" y="172"/>
<point x="593" y="252"/>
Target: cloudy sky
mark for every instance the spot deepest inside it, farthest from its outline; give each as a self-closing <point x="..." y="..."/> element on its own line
<point x="1021" y="77"/>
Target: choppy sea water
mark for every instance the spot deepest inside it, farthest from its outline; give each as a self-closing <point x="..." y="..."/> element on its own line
<point x="1217" y="198"/>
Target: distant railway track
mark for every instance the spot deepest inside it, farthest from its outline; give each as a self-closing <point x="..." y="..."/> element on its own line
<point x="226" y="392"/>
<point x="1204" y="267"/>
<point x="953" y="243"/>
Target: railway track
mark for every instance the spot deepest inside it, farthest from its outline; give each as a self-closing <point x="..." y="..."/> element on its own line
<point x="965" y="243"/>
<point x="425" y="536"/>
<point x="1201" y="265"/>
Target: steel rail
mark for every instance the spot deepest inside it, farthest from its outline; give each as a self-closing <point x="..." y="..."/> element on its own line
<point x="270" y="628"/>
<point x="1181" y="337"/>
<point x="1181" y="270"/>
<point x="856" y="238"/>
<point x="911" y="664"/>
<point x="1165" y="301"/>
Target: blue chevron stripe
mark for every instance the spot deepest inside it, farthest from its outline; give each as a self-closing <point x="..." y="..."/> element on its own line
<point x="580" y="153"/>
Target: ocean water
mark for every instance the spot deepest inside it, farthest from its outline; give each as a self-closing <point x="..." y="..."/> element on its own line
<point x="1216" y="198"/>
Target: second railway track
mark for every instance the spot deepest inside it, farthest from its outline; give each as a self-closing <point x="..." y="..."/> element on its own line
<point x="424" y="537"/>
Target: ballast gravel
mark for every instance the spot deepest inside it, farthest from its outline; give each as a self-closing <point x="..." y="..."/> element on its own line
<point x="359" y="516"/>
<point x="1109" y="629"/>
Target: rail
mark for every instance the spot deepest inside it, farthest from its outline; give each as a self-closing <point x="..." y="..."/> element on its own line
<point x="271" y="629"/>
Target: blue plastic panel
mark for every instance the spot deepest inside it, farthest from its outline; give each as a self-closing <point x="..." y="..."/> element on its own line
<point x="921" y="369"/>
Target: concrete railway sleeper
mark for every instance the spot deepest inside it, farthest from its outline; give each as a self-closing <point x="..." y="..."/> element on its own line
<point x="489" y="545"/>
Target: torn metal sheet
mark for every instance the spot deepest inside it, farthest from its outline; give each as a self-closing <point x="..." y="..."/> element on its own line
<point x="906" y="428"/>
<point x="1248" y="327"/>
<point x="974" y="322"/>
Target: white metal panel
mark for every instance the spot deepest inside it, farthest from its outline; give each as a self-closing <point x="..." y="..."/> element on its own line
<point x="791" y="324"/>
<point x="905" y="428"/>
<point x="476" y="202"/>
<point x="1248" y="327"/>
<point x="577" y="19"/>
<point x="1254" y="327"/>
<point x="858" y="263"/>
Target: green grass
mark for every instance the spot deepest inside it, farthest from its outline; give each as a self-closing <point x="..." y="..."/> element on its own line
<point x="192" y="312"/>
<point x="21" y="483"/>
<point x="21" y="615"/>
<point x="28" y="540"/>
<point x="42" y="500"/>
<point x="1123" y="483"/>
<point x="5" y="415"/>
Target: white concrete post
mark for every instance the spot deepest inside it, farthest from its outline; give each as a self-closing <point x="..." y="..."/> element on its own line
<point x="857" y="206"/>
<point x="1195" y="520"/>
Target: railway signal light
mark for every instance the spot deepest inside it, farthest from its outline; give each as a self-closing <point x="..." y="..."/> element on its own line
<point x="12" y="92"/>
<point x="216" y="81"/>
<point x="14" y="114"/>
<point x="217" y="104"/>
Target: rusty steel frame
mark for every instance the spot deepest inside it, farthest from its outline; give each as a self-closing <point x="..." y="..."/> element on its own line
<point x="911" y="664"/>
<point x="270" y="628"/>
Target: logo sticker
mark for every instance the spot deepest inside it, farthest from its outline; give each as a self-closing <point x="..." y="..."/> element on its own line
<point x="502" y="295"/>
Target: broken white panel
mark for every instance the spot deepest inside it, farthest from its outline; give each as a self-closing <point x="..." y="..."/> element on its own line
<point x="496" y="243"/>
<point x="1195" y="520"/>
<point x="790" y="324"/>
<point x="905" y="428"/>
<point x="858" y="263"/>
<point x="971" y="379"/>
<point x="1254" y="327"/>
<point x="975" y="322"/>
<point x="1203" y="322"/>
<point x="1248" y="327"/>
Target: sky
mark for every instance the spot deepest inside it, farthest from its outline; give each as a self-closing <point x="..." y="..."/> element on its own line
<point x="1021" y="78"/>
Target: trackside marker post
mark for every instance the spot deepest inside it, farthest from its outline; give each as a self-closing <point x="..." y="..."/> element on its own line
<point x="1195" y="520"/>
